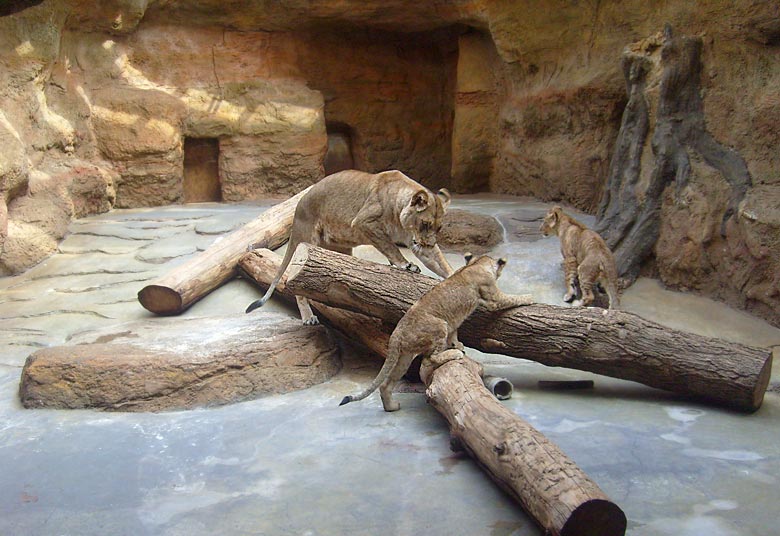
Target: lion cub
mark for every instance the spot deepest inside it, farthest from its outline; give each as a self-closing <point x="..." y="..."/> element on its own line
<point x="431" y="325"/>
<point x="585" y="257"/>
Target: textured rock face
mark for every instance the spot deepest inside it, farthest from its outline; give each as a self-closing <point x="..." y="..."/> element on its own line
<point x="146" y="366"/>
<point x="519" y="97"/>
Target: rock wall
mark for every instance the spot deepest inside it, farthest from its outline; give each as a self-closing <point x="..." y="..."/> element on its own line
<point x="523" y="97"/>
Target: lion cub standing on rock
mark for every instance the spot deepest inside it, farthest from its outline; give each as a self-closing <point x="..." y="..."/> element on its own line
<point x="585" y="257"/>
<point x="431" y="325"/>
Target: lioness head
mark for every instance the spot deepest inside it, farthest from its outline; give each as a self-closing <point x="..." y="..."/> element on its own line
<point x="551" y="220"/>
<point x="423" y="216"/>
<point x="494" y="266"/>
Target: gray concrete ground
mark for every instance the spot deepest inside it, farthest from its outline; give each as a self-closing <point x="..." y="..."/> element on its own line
<point x="299" y="464"/>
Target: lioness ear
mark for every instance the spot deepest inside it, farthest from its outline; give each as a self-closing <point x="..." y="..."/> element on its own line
<point x="555" y="212"/>
<point x="469" y="257"/>
<point x="445" y="197"/>
<point x="420" y="200"/>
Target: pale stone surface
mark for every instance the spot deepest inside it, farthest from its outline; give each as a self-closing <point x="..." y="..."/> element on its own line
<point x="675" y="467"/>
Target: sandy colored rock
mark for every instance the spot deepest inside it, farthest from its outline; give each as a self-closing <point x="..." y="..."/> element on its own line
<point x="464" y="231"/>
<point x="167" y="365"/>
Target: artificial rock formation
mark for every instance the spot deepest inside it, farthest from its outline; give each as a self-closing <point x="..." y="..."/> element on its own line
<point x="511" y="97"/>
<point x="180" y="364"/>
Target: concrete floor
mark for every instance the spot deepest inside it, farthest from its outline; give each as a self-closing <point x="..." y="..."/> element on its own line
<point x="299" y="464"/>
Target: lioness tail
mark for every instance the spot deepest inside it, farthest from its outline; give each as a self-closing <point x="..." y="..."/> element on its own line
<point x="291" y="245"/>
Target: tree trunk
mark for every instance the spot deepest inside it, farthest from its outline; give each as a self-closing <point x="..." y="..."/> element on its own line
<point x="629" y="215"/>
<point x="533" y="470"/>
<point x="618" y="344"/>
<point x="549" y="485"/>
<point x="186" y="284"/>
<point x="260" y="267"/>
<point x="180" y="364"/>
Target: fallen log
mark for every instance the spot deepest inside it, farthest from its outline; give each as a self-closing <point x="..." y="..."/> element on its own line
<point x="261" y="265"/>
<point x="184" y="285"/>
<point x="536" y="473"/>
<point x="180" y="364"/>
<point x="520" y="459"/>
<point x="618" y="344"/>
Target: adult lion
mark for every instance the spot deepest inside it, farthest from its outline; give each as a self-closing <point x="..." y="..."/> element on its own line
<point x="352" y="208"/>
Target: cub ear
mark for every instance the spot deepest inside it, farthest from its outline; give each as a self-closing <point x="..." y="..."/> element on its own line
<point x="555" y="213"/>
<point x="501" y="261"/>
<point x="469" y="257"/>
<point x="419" y="200"/>
<point x="445" y="197"/>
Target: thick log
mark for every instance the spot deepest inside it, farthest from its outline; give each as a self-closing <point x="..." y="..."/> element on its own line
<point x="618" y="344"/>
<point x="261" y="265"/>
<point x="548" y="484"/>
<point x="180" y="364"/>
<point x="184" y="285"/>
<point x="520" y="459"/>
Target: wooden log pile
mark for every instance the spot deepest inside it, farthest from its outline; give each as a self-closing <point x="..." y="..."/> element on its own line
<point x="617" y="343"/>
<point x="533" y="470"/>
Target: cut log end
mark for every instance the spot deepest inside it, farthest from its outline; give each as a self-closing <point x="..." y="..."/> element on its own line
<point x="596" y="517"/>
<point x="761" y="384"/>
<point x="160" y="300"/>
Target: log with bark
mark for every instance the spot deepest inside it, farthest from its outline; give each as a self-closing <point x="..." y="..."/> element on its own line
<point x="535" y="472"/>
<point x="184" y="285"/>
<point x="618" y="344"/>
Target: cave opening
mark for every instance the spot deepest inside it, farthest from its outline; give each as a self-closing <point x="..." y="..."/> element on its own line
<point x="201" y="170"/>
<point x="339" y="155"/>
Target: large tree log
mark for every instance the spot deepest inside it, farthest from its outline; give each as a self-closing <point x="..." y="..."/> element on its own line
<point x="548" y="484"/>
<point x="179" y="364"/>
<point x="533" y="470"/>
<point x="261" y="265"/>
<point x="618" y="344"/>
<point x="189" y="282"/>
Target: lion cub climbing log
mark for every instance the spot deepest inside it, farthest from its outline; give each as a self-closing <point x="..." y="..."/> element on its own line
<point x="351" y="208"/>
<point x="585" y="257"/>
<point x="431" y="325"/>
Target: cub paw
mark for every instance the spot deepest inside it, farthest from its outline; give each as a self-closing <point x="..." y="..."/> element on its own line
<point x="392" y="406"/>
<point x="313" y="321"/>
<point x="568" y="297"/>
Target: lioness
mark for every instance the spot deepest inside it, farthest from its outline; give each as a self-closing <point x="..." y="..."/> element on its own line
<point x="351" y="208"/>
<point x="430" y="326"/>
<point x="585" y="257"/>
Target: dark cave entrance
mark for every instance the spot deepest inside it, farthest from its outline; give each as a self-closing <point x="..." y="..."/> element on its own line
<point x="339" y="155"/>
<point x="201" y="170"/>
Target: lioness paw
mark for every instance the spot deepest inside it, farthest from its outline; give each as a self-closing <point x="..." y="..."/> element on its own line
<point x="411" y="267"/>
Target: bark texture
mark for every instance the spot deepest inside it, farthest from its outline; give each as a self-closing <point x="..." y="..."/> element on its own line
<point x="152" y="367"/>
<point x="617" y="344"/>
<point x="189" y="282"/>
<point x="548" y="484"/>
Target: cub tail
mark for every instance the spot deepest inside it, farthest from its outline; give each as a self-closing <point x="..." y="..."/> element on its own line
<point x="387" y="368"/>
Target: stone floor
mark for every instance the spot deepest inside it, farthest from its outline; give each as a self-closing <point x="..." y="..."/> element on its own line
<point x="299" y="464"/>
